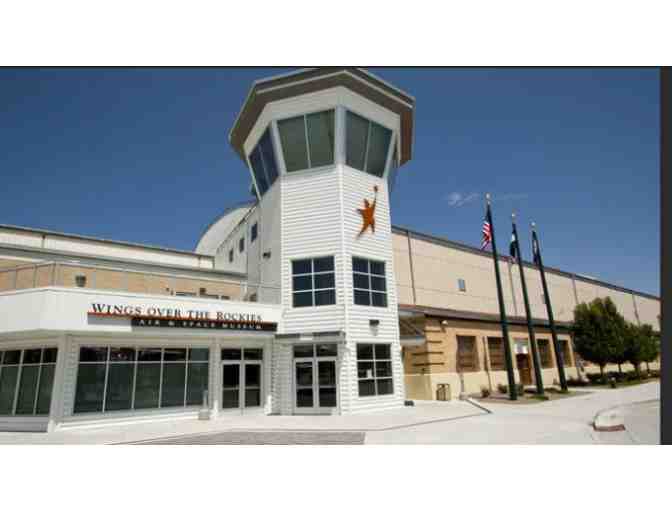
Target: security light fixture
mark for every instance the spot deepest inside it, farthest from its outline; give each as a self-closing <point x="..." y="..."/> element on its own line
<point x="267" y="254"/>
<point x="80" y="280"/>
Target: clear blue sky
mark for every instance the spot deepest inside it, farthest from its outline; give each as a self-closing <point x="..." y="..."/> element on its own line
<point x="142" y="156"/>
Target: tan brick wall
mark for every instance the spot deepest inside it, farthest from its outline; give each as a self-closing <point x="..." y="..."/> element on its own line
<point x="436" y="360"/>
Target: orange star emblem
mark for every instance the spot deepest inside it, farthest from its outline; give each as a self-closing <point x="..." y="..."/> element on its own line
<point x="368" y="213"/>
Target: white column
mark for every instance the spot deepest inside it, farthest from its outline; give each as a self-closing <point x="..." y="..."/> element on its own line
<point x="57" y="396"/>
<point x="215" y="386"/>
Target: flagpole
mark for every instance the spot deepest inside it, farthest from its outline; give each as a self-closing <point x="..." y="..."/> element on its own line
<point x="549" y="309"/>
<point x="530" y="329"/>
<point x="513" y="392"/>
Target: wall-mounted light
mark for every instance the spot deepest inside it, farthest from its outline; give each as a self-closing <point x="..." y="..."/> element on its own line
<point x="374" y="322"/>
<point x="80" y="280"/>
<point x="267" y="255"/>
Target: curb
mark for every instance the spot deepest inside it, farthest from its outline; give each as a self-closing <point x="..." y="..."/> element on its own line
<point x="609" y="420"/>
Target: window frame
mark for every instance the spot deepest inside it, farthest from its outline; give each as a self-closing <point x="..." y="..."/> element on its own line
<point x="545" y="356"/>
<point x="313" y="289"/>
<point x="391" y="144"/>
<point x="370" y="275"/>
<point x="136" y="363"/>
<point x="492" y="340"/>
<point x="374" y="360"/>
<point x="305" y="115"/>
<point x="266" y="175"/>
<point x="19" y="374"/>
<point x="459" y="355"/>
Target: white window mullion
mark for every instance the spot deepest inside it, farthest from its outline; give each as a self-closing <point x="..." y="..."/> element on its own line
<point x="161" y="377"/>
<point x="18" y="383"/>
<point x="37" y="386"/>
<point x="107" y="371"/>
<point x="186" y="373"/>
<point x="366" y="151"/>
<point x="135" y="377"/>
<point x="305" y="128"/>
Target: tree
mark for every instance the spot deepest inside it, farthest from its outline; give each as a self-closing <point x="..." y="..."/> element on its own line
<point x="650" y="341"/>
<point x="635" y="345"/>
<point x="599" y="332"/>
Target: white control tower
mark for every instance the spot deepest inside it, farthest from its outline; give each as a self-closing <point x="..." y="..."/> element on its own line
<point x="323" y="147"/>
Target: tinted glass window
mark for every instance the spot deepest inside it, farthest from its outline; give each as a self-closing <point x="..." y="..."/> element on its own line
<point x="258" y="170"/>
<point x="321" y="138"/>
<point x="368" y="280"/>
<point x="379" y="143"/>
<point x="357" y="130"/>
<point x="313" y="282"/>
<point x="268" y="157"/>
<point x="294" y="146"/>
<point x="374" y="369"/>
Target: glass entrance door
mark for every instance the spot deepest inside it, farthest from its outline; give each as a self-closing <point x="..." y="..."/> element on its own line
<point x="315" y="388"/>
<point x="241" y="378"/>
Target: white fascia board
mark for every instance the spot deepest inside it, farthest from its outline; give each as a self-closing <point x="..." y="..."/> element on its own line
<point x="320" y="101"/>
<point x="66" y="310"/>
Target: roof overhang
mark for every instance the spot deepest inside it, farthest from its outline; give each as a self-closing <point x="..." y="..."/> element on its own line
<point x="313" y="80"/>
<point x="462" y="315"/>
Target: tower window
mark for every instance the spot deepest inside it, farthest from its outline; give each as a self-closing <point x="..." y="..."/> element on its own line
<point x="462" y="285"/>
<point x="254" y="231"/>
<point x="231" y="255"/>
<point x="241" y="245"/>
<point x="367" y="144"/>
<point x="369" y="283"/>
<point x="264" y="166"/>
<point x="313" y="282"/>
<point x="307" y="140"/>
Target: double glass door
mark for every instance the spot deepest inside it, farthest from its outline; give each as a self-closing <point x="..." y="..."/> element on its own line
<point x="315" y="388"/>
<point x="241" y="378"/>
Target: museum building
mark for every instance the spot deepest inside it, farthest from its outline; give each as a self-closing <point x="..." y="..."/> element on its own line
<point x="303" y="300"/>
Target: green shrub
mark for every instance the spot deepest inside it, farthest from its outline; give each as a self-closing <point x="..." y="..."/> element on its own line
<point x="576" y="382"/>
<point x="502" y="388"/>
<point x="485" y="391"/>
<point x="520" y="389"/>
<point x="595" y="378"/>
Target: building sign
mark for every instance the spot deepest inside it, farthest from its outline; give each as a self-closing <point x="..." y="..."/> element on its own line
<point x="160" y="317"/>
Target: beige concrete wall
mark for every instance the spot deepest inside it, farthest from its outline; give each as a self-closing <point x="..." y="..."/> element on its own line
<point x="437" y="268"/>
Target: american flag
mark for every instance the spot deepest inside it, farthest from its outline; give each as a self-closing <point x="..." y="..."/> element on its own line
<point x="487" y="233"/>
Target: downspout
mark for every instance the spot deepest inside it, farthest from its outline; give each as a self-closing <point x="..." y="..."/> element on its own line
<point x="410" y="261"/>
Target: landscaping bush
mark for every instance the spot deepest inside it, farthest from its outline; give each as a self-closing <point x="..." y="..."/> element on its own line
<point x="502" y="388"/>
<point x="595" y="378"/>
<point x="619" y="376"/>
<point x="520" y="389"/>
<point x="485" y="391"/>
<point x="576" y="382"/>
<point x="654" y="373"/>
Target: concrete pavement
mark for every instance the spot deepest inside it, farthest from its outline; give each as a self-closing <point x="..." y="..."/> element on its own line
<point x="565" y="421"/>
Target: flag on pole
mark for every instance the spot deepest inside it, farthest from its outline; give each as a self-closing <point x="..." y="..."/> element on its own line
<point x="487" y="231"/>
<point x="513" y="246"/>
<point x="536" y="255"/>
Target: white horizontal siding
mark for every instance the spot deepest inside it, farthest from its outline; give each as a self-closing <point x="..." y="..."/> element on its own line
<point x="311" y="227"/>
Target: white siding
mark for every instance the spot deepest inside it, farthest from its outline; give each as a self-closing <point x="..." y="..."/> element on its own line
<point x="311" y="227"/>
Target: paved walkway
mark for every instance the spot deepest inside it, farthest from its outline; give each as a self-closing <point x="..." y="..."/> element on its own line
<point x="565" y="421"/>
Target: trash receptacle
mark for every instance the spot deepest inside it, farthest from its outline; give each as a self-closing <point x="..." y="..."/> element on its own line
<point x="443" y="392"/>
